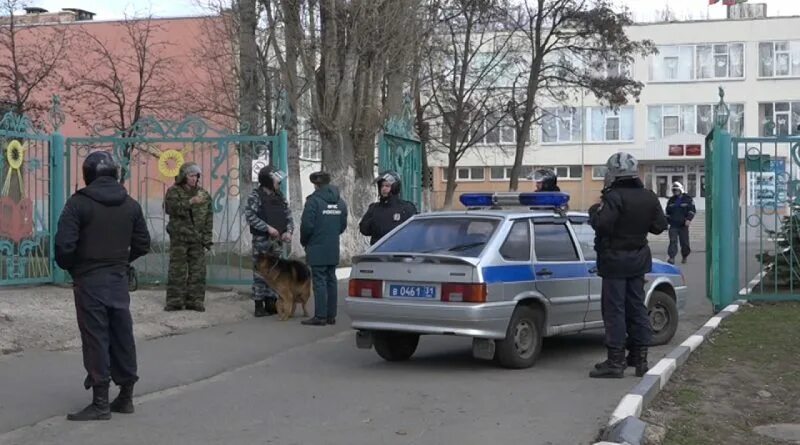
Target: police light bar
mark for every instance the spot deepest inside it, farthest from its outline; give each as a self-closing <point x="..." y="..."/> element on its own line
<point x="548" y="200"/>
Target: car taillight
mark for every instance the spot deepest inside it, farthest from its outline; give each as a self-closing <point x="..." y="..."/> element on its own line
<point x="365" y="288"/>
<point x="464" y="293"/>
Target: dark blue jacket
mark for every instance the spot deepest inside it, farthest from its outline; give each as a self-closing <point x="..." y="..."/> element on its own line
<point x="680" y="209"/>
<point x="324" y="220"/>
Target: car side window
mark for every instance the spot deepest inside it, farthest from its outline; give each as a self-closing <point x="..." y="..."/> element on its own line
<point x="585" y="234"/>
<point x="517" y="246"/>
<point x="553" y="242"/>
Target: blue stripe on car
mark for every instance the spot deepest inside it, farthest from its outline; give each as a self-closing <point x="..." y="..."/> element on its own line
<point x="562" y="271"/>
<point x="665" y="269"/>
<point x="508" y="274"/>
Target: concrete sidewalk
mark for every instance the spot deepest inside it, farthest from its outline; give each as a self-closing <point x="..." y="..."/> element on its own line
<point x="39" y="385"/>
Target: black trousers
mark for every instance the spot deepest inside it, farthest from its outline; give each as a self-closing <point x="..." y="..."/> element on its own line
<point x="679" y="234"/>
<point x="102" y="304"/>
<point x="625" y="316"/>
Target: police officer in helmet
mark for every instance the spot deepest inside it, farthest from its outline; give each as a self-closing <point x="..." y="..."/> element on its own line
<point x="101" y="231"/>
<point x="545" y="180"/>
<point x="389" y="212"/>
<point x="625" y="215"/>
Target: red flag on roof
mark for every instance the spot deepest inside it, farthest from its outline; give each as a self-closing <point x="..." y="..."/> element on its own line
<point x="711" y="2"/>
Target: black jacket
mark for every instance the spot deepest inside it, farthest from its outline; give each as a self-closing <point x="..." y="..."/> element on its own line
<point x="324" y="220"/>
<point x="626" y="214"/>
<point x="101" y="229"/>
<point x="383" y="216"/>
<point x="680" y="209"/>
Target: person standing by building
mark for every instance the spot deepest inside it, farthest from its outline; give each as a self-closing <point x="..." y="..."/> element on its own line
<point x="389" y="212"/>
<point x="101" y="231"/>
<point x="271" y="225"/>
<point x="323" y="222"/>
<point x="625" y="215"/>
<point x="545" y="180"/>
<point x="680" y="212"/>
<point x="190" y="228"/>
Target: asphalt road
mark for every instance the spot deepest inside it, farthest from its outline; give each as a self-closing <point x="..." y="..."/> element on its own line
<point x="271" y="383"/>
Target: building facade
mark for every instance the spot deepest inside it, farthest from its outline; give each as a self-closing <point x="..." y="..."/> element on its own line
<point x="755" y="60"/>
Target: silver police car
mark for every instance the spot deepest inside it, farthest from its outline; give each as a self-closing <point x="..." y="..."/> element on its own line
<point x="510" y="270"/>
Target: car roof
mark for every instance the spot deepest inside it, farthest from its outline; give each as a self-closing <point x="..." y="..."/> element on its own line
<point x="506" y="213"/>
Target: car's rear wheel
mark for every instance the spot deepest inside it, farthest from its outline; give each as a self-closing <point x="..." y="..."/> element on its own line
<point x="523" y="341"/>
<point x="663" y="317"/>
<point x="395" y="346"/>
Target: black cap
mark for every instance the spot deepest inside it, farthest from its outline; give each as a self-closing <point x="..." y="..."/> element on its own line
<point x="320" y="178"/>
<point x="99" y="163"/>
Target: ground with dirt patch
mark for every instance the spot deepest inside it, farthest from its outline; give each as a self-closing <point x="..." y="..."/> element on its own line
<point x="746" y="375"/>
<point x="43" y="317"/>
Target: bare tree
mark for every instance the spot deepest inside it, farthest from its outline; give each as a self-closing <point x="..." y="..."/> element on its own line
<point x="573" y="47"/>
<point x="465" y="66"/>
<point x="32" y="56"/>
<point x="123" y="79"/>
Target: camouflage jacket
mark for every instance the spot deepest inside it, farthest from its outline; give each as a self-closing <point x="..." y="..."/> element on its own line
<point x="251" y="214"/>
<point x="189" y="222"/>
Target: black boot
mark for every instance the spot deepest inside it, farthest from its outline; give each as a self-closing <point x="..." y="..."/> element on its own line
<point x="269" y="306"/>
<point x="640" y="361"/>
<point x="124" y="401"/>
<point x="260" y="312"/>
<point x="98" y="410"/>
<point x="630" y="360"/>
<point x="613" y="368"/>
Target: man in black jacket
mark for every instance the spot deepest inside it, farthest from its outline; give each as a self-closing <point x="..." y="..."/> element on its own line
<point x="680" y="212"/>
<point x="100" y="233"/>
<point x="626" y="214"/>
<point x="389" y="212"/>
<point x="323" y="222"/>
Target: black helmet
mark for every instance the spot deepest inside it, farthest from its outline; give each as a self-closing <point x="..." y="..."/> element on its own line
<point x="392" y="178"/>
<point x="548" y="179"/>
<point x="99" y="163"/>
<point x="266" y="175"/>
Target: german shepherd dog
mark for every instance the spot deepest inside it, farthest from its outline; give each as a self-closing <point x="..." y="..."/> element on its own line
<point x="291" y="279"/>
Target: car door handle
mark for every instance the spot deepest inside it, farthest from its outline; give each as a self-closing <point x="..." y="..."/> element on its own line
<point x="593" y="270"/>
<point x="544" y="272"/>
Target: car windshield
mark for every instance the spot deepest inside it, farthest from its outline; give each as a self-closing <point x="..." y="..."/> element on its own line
<point x="456" y="236"/>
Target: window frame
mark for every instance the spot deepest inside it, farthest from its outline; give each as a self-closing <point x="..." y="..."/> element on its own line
<point x="681" y="117"/>
<point x="556" y="114"/>
<point x="790" y="113"/>
<point x="789" y="52"/>
<point x="528" y="223"/>
<point x="696" y="68"/>
<point x="469" y="168"/>
<point x="555" y="222"/>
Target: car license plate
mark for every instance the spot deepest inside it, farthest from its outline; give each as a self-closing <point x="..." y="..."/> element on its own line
<point x="411" y="291"/>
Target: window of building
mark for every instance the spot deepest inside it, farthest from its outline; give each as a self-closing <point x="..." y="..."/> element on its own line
<point x="567" y="171"/>
<point x="504" y="173"/>
<point x="308" y="139"/>
<point x="785" y="116"/>
<point x="669" y="120"/>
<point x="561" y="125"/>
<point x="606" y="125"/>
<point x="681" y="63"/>
<point x="466" y="174"/>
<point x="779" y="59"/>
<point x="599" y="172"/>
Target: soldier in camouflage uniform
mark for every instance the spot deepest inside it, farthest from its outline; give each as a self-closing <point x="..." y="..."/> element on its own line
<point x="271" y="225"/>
<point x="190" y="227"/>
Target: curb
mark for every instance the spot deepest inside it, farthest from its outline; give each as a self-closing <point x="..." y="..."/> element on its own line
<point x="625" y="427"/>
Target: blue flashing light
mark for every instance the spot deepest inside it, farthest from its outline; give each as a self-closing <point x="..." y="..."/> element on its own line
<point x="553" y="200"/>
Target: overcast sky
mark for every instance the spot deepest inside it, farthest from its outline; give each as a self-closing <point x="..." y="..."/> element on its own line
<point x="643" y="10"/>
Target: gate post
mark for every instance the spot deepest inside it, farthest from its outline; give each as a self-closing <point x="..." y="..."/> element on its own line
<point x="724" y="214"/>
<point x="58" y="183"/>
<point x="280" y="159"/>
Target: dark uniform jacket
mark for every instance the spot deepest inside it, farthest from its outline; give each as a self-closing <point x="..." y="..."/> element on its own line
<point x="324" y="220"/>
<point x="680" y="209"/>
<point x="101" y="229"/>
<point x="626" y="214"/>
<point x="383" y="216"/>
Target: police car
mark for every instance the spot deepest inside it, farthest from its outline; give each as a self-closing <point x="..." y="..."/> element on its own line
<point x="510" y="270"/>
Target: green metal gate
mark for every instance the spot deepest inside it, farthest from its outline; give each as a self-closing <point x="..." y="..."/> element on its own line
<point x="29" y="159"/>
<point x="752" y="216"/>
<point x="151" y="153"/>
<point x="401" y="150"/>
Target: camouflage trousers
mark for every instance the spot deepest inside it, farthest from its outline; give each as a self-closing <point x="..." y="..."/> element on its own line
<point x="264" y="245"/>
<point x="186" y="279"/>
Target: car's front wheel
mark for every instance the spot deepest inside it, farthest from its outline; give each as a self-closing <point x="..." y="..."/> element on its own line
<point x="663" y="317"/>
<point x="395" y="346"/>
<point x="523" y="341"/>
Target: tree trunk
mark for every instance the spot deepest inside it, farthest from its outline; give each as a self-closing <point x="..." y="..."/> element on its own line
<point x="522" y="142"/>
<point x="450" y="190"/>
<point x="248" y="88"/>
